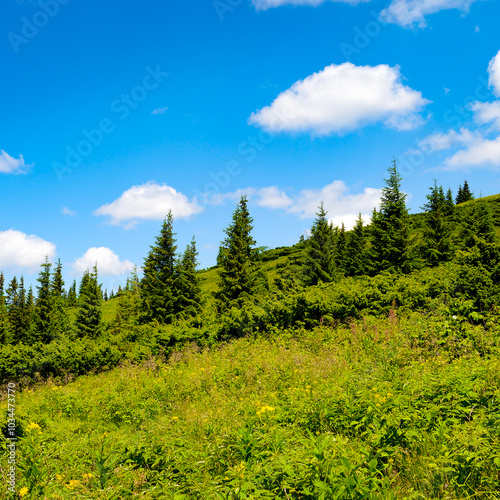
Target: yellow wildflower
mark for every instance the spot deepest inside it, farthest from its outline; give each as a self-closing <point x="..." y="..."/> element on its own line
<point x="60" y="478"/>
<point x="88" y="475"/>
<point x="33" y="426"/>
<point x="73" y="483"/>
<point x="23" y="492"/>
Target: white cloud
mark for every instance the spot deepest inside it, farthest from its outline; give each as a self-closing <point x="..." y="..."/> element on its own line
<point x="159" y="111"/>
<point x="479" y="153"/>
<point x="20" y="250"/>
<point x="108" y="263"/>
<point x="494" y="72"/>
<point x="341" y="204"/>
<point x="10" y="165"/>
<point x="273" y="197"/>
<point x="67" y="211"/>
<point x="487" y="113"/>
<point x="410" y="13"/>
<point x="341" y="98"/>
<point x="268" y="4"/>
<point x="148" y="201"/>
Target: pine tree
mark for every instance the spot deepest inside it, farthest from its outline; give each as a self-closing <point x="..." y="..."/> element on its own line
<point x="59" y="320"/>
<point x="106" y="295"/>
<point x="188" y="284"/>
<point x="239" y="270"/>
<point x="72" y="296"/>
<point x="390" y="228"/>
<point x="4" y="321"/>
<point x="88" y="320"/>
<point x="341" y="249"/>
<point x="320" y="256"/>
<point x="157" y="286"/>
<point x="477" y="225"/>
<point x="18" y="314"/>
<point x="129" y="305"/>
<point x="437" y="230"/>
<point x="464" y="194"/>
<point x="449" y="206"/>
<point x="43" y="324"/>
<point x="356" y="250"/>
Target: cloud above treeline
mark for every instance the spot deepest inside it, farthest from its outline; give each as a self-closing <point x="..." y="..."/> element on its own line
<point x="343" y="98"/>
<point x="22" y="251"/>
<point x="108" y="263"/>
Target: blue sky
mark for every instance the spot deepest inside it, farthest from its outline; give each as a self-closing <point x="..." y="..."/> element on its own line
<point x="115" y="111"/>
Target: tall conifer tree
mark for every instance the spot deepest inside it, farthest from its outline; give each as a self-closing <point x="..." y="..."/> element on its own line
<point x="239" y="270"/>
<point x="356" y="250"/>
<point x="320" y="257"/>
<point x="157" y="285"/>
<point x="88" y="320"/>
<point x="390" y="227"/>
<point x="4" y="322"/>
<point x="437" y="230"/>
<point x="188" y="284"/>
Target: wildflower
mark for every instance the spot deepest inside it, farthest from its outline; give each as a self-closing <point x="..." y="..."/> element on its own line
<point x="33" y="426"/>
<point x="55" y="388"/>
<point x="59" y="478"/>
<point x="175" y="418"/>
<point x="73" y="483"/>
<point x="23" y="492"/>
<point x="88" y="475"/>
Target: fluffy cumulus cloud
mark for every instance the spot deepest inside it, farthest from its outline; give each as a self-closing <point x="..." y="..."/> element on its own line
<point x="20" y="250"/>
<point x="342" y="205"/>
<point x="342" y="98"/>
<point x="476" y="146"/>
<point x="150" y="201"/>
<point x="269" y="4"/>
<point x="108" y="263"/>
<point x="410" y="13"/>
<point x="10" y="165"/>
<point x="494" y="72"/>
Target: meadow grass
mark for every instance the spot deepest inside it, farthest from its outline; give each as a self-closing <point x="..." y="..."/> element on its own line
<point x="371" y="409"/>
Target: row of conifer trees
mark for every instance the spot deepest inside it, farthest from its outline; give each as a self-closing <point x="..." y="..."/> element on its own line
<point x="170" y="287"/>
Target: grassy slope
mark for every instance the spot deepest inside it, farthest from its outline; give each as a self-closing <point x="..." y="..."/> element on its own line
<point x="360" y="407"/>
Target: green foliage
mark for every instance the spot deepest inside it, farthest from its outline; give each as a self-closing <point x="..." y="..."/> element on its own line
<point x="88" y="321"/>
<point x="390" y="228"/>
<point x="239" y="266"/>
<point x="188" y="288"/>
<point x="320" y="256"/>
<point x="464" y="194"/>
<point x="357" y="250"/>
<point x="157" y="287"/>
<point x="437" y="230"/>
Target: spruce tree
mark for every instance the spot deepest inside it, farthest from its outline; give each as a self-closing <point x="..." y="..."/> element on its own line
<point x="449" y="206"/>
<point x="157" y="285"/>
<point x="320" y="250"/>
<point x="341" y="249"/>
<point x="477" y="225"/>
<point x="88" y="320"/>
<point x="390" y="228"/>
<point x="437" y="231"/>
<point x="72" y="295"/>
<point x="356" y="250"/>
<point x="188" y="284"/>
<point x="464" y="194"/>
<point x="59" y="320"/>
<point x="43" y="323"/>
<point x="239" y="270"/>
<point x="129" y="305"/>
